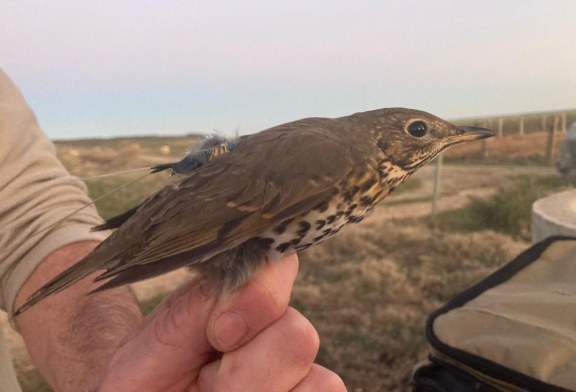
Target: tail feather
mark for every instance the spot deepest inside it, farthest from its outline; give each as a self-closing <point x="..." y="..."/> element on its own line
<point x="63" y="280"/>
<point x="138" y="273"/>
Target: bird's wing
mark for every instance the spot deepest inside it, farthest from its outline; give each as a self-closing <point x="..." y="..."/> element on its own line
<point x="238" y="197"/>
<point x="269" y="177"/>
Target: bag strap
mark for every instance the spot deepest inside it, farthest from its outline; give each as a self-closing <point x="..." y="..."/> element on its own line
<point x="490" y="368"/>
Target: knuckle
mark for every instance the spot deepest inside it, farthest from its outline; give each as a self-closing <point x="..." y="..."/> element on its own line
<point x="333" y="383"/>
<point x="323" y="379"/>
<point x="275" y="302"/>
<point x="169" y="327"/>
<point x="304" y="339"/>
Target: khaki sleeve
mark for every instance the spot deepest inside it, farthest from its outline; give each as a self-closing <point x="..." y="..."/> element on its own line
<point x="35" y="192"/>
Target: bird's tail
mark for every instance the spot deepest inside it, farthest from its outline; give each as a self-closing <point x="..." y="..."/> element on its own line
<point x="66" y="278"/>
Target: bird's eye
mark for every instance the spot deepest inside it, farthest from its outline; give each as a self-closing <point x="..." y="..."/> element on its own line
<point x="417" y="129"/>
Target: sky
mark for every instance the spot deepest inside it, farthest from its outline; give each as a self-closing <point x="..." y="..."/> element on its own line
<point x="141" y="67"/>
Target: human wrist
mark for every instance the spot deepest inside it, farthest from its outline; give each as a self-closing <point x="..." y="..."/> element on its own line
<point x="71" y="336"/>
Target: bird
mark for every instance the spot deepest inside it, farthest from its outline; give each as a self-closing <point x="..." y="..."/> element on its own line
<point x="265" y="196"/>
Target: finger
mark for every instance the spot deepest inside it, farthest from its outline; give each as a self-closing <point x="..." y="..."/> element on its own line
<point x="238" y="318"/>
<point x="171" y="344"/>
<point x="320" y="379"/>
<point x="275" y="360"/>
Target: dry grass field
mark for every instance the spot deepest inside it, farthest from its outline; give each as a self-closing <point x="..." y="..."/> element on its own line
<point x="369" y="290"/>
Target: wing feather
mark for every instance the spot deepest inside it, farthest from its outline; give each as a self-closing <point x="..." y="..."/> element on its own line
<point x="249" y="191"/>
<point x="269" y="177"/>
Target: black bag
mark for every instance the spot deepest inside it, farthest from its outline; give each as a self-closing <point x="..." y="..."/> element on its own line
<point x="513" y="331"/>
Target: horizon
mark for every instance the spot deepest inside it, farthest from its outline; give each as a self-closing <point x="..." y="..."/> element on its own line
<point x="200" y="134"/>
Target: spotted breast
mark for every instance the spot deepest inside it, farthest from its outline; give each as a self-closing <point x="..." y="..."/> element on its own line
<point x="352" y="200"/>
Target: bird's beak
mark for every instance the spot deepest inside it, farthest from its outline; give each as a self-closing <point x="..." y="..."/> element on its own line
<point x="473" y="133"/>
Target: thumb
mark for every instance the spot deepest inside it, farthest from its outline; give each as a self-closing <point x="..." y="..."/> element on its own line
<point x="169" y="348"/>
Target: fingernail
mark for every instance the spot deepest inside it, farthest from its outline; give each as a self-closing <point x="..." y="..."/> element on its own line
<point x="230" y="328"/>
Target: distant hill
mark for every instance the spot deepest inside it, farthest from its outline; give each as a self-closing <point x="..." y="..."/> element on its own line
<point x="510" y="124"/>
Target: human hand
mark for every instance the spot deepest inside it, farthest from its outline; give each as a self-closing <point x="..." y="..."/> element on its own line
<point x="250" y="341"/>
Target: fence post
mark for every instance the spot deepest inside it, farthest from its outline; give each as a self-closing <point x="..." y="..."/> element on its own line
<point x="500" y="127"/>
<point x="564" y="129"/>
<point x="521" y="127"/>
<point x="483" y="149"/>
<point x="550" y="141"/>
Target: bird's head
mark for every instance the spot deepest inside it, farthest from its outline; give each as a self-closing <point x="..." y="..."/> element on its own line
<point x="410" y="138"/>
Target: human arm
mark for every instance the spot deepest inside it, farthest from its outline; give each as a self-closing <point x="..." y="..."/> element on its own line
<point x="71" y="336"/>
<point x="40" y="234"/>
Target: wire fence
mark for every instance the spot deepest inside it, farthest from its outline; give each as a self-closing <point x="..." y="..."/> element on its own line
<point x="522" y="124"/>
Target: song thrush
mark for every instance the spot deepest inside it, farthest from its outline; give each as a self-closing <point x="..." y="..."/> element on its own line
<point x="275" y="193"/>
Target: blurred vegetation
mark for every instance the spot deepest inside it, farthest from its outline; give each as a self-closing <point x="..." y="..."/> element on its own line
<point x="178" y="144"/>
<point x="369" y="291"/>
<point x="476" y="159"/>
<point x="93" y="157"/>
<point x="507" y="211"/>
<point x="410" y="185"/>
<point x="125" y="198"/>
